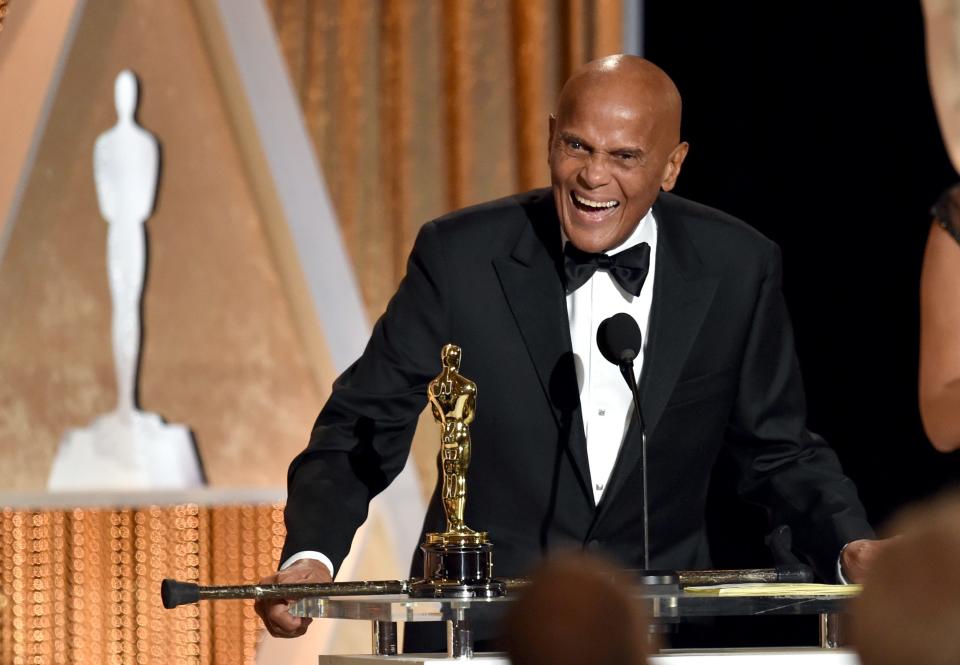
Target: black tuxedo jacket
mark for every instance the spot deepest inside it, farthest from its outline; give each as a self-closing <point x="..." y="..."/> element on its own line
<point x="720" y="369"/>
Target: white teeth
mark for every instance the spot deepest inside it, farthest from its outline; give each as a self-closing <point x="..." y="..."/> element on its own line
<point x="599" y="205"/>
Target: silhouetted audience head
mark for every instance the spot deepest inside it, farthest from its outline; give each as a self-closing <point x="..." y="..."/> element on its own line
<point x="577" y="610"/>
<point x="909" y="611"/>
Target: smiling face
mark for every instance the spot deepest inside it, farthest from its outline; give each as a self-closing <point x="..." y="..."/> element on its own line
<point x="614" y="144"/>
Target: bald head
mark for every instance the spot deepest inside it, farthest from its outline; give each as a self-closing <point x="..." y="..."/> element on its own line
<point x="614" y="145"/>
<point x="633" y="82"/>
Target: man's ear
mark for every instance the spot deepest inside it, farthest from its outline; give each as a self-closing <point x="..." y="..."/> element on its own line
<point x="553" y="126"/>
<point x="672" y="169"/>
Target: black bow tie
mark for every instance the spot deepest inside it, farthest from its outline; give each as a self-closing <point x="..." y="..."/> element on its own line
<point x="629" y="267"/>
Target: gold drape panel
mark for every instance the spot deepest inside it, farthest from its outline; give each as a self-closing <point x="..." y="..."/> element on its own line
<point x="82" y="585"/>
<point x="418" y="107"/>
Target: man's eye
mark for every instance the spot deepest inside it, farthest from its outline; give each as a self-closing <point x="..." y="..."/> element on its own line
<point x="626" y="157"/>
<point x="575" y="145"/>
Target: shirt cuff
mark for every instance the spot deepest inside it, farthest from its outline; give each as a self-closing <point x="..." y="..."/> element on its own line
<point x="316" y="556"/>
<point x="840" y="576"/>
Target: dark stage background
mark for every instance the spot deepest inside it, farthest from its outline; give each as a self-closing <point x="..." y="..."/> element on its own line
<point x="815" y="125"/>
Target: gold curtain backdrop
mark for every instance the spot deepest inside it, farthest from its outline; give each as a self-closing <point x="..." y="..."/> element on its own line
<point x="419" y="107"/>
<point x="81" y="585"/>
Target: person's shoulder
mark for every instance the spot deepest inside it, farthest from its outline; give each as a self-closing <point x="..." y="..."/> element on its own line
<point x="714" y="232"/>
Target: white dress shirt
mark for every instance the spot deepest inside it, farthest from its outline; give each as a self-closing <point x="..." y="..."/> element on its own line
<point x="605" y="400"/>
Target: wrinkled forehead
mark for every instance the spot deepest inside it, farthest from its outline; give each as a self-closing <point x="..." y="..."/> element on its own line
<point x="609" y="104"/>
<point x="637" y="96"/>
<point x="621" y="116"/>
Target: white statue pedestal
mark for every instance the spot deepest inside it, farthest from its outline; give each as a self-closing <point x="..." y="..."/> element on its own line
<point x="133" y="452"/>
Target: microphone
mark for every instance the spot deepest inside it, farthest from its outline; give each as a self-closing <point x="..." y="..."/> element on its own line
<point x="619" y="340"/>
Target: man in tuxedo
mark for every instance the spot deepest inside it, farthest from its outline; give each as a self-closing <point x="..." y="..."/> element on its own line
<point x="521" y="285"/>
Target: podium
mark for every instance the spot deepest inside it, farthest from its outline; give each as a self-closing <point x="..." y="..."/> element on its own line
<point x="663" y="607"/>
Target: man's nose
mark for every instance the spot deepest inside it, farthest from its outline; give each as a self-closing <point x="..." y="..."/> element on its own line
<point x="595" y="170"/>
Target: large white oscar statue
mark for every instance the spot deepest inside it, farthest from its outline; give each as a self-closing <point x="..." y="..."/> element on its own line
<point x="126" y="448"/>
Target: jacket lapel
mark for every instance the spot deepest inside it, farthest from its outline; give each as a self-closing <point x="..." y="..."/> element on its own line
<point x="533" y="288"/>
<point x="681" y="298"/>
<point x="682" y="295"/>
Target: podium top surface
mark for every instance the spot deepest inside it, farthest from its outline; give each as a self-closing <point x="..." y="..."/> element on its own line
<point x="661" y="607"/>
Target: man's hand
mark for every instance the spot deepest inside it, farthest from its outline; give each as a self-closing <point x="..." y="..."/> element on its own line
<point x="275" y="614"/>
<point x="858" y="556"/>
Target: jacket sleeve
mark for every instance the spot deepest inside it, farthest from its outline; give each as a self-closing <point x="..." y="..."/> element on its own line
<point x="783" y="466"/>
<point x="362" y="437"/>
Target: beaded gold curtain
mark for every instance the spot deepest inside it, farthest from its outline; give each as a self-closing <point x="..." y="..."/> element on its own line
<point x="81" y="585"/>
<point x="419" y="107"/>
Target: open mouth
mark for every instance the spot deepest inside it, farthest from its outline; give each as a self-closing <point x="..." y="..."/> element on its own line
<point x="591" y="206"/>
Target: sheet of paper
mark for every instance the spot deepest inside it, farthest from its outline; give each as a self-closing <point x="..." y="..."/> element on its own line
<point x="776" y="589"/>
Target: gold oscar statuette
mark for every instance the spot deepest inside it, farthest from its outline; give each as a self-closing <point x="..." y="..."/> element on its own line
<point x="453" y="401"/>
<point x="457" y="562"/>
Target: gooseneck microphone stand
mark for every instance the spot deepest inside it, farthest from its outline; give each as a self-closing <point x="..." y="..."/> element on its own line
<point x="626" y="368"/>
<point x="619" y="340"/>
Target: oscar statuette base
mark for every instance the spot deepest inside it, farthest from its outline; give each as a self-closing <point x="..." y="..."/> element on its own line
<point x="457" y="571"/>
